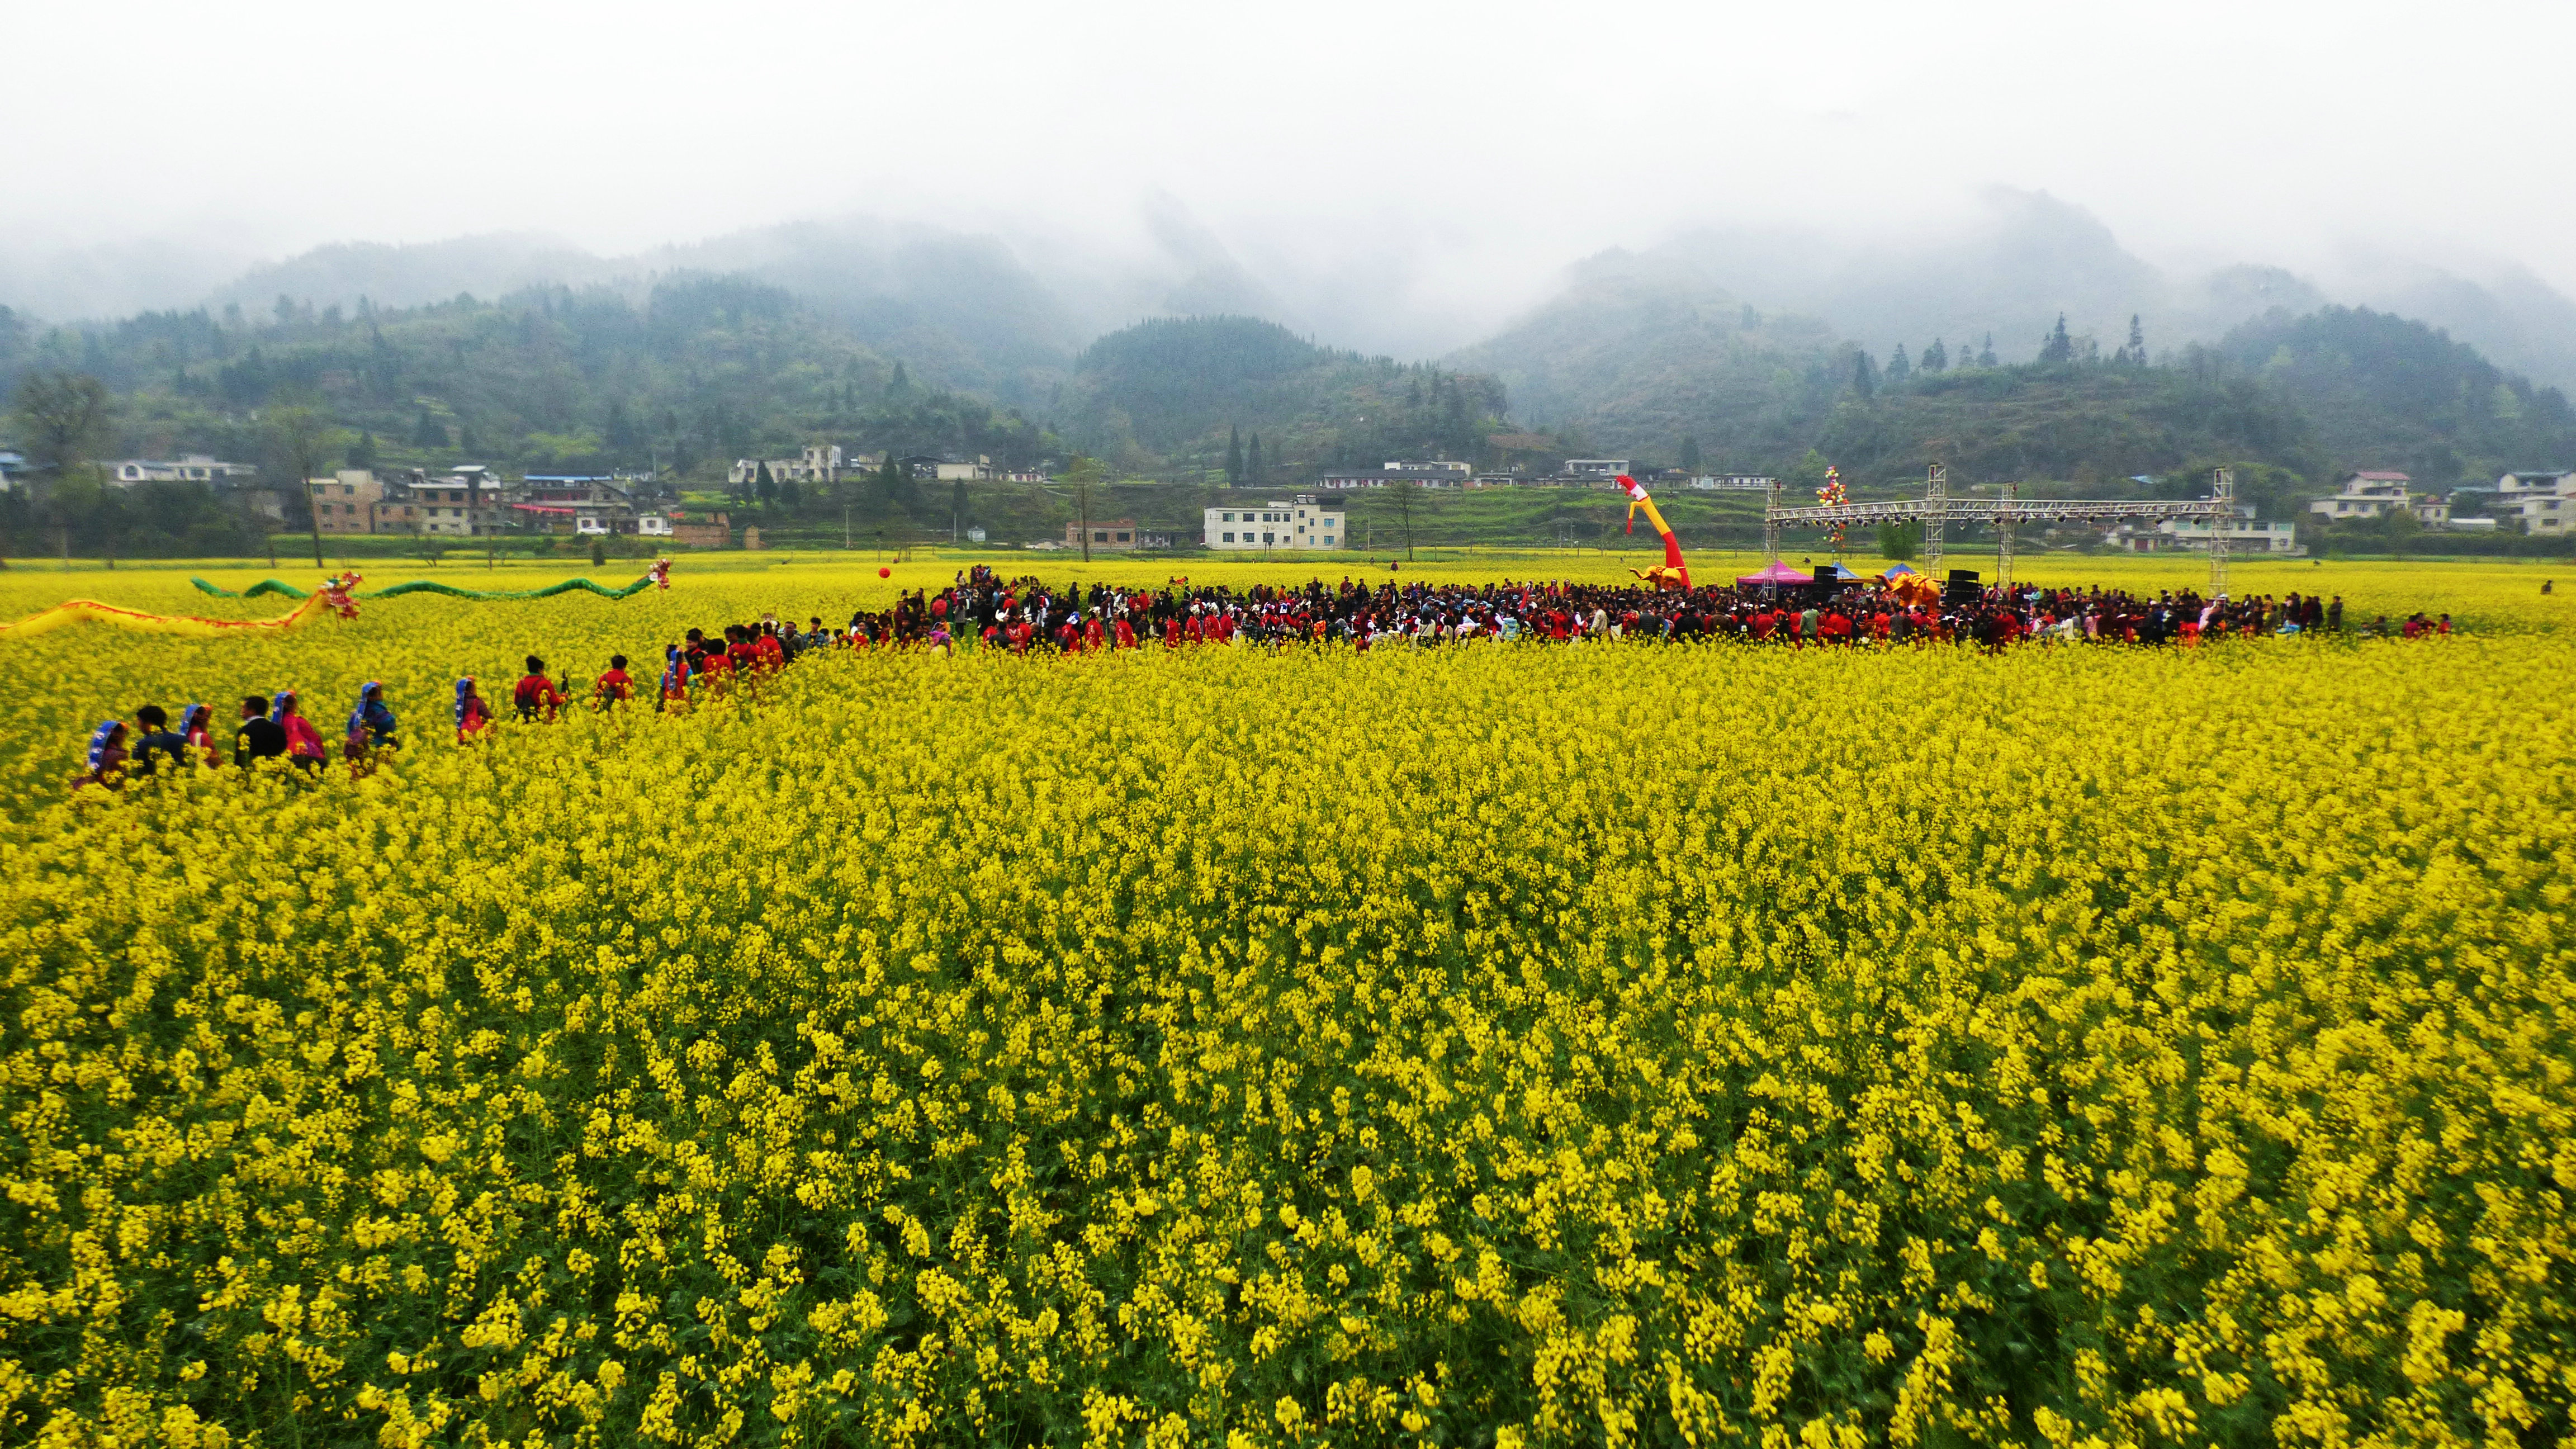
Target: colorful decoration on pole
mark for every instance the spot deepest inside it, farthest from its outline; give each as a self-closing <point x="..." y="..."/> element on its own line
<point x="336" y="596"/>
<point x="1832" y="495"/>
<point x="1672" y="573"/>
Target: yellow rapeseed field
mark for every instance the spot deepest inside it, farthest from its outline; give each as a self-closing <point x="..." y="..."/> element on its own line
<point x="1614" y="1043"/>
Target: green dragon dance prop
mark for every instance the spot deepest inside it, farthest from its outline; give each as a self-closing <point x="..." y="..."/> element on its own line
<point x="427" y="586"/>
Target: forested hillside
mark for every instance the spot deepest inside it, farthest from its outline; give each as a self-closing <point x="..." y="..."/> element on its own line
<point x="706" y="370"/>
<point x="2077" y="423"/>
<point x="2387" y="392"/>
<point x="1638" y="356"/>
<point x="1647" y="357"/>
<point x="1643" y="359"/>
<point x="1177" y="392"/>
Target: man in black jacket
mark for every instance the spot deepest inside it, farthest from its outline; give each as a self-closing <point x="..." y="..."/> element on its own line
<point x="259" y="738"/>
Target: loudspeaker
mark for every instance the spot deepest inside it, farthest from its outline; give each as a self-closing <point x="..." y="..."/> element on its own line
<point x="1962" y="588"/>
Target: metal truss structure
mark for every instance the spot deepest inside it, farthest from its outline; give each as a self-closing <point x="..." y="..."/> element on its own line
<point x="1936" y="510"/>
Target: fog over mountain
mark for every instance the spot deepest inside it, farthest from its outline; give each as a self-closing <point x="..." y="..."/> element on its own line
<point x="1001" y="311"/>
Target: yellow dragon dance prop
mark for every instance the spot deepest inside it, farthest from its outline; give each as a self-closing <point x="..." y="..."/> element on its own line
<point x="334" y="597"/>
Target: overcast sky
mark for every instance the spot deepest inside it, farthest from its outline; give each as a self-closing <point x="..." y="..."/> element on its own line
<point x="1492" y="142"/>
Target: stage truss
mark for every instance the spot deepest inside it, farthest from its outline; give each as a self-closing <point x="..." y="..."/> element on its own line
<point x="1936" y="510"/>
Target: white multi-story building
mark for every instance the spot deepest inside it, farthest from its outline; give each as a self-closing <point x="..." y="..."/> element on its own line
<point x="1596" y="467"/>
<point x="1420" y="475"/>
<point x="1302" y="522"/>
<point x="2363" y="495"/>
<point x="819" y="463"/>
<point x="2543" y="501"/>
<point x="1438" y="465"/>
<point x="2543" y="513"/>
<point x="464" y="503"/>
<point x="193" y="468"/>
<point x="2244" y="533"/>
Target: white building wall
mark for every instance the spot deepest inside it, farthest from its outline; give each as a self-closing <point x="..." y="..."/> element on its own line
<point x="1269" y="527"/>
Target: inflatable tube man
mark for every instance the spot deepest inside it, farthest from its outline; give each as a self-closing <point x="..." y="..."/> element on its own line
<point x="1672" y="573"/>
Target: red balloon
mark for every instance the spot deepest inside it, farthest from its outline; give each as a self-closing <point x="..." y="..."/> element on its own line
<point x="885" y="573"/>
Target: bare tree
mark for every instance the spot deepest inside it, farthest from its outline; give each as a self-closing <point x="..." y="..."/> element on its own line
<point x="298" y="440"/>
<point x="64" y="420"/>
<point x="1405" y="491"/>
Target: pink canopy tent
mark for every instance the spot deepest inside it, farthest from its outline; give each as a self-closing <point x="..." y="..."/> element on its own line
<point x="1774" y="573"/>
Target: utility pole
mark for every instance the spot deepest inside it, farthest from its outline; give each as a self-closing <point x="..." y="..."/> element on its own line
<point x="2222" y="491"/>
<point x="2004" y="536"/>
<point x="845" y="528"/>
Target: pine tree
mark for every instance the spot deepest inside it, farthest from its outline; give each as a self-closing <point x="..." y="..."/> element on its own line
<point x="1233" y="455"/>
<point x="1898" y="369"/>
<point x="764" y="485"/>
<point x="1986" y="354"/>
<point x="362" y="453"/>
<point x="1864" y="375"/>
<point x="2057" y="347"/>
<point x="1252" y="462"/>
<point x="1936" y="358"/>
<point x="1690" y="453"/>
<point x="429" y="432"/>
<point x="2137" y="342"/>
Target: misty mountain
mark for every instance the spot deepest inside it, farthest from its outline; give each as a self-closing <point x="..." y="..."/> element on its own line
<point x="1174" y="390"/>
<point x="1640" y="352"/>
<point x="1643" y="352"/>
<point x="114" y="279"/>
<point x="2517" y="320"/>
<point x="344" y="273"/>
<point x="958" y="308"/>
<point x="2390" y="392"/>
<point x="2084" y="425"/>
<point x="705" y="369"/>
<point x="2028" y="260"/>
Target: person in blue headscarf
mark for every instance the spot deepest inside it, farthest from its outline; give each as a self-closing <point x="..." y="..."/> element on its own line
<point x="106" y="756"/>
<point x="197" y="723"/>
<point x="471" y="713"/>
<point x="371" y="725"/>
<point x="304" y="746"/>
<point x="674" y="695"/>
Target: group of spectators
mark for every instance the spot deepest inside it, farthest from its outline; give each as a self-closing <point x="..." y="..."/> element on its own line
<point x="268" y="727"/>
<point x="274" y="727"/>
<point x="1027" y="614"/>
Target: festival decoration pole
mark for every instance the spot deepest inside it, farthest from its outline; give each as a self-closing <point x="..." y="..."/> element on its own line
<point x="1833" y="495"/>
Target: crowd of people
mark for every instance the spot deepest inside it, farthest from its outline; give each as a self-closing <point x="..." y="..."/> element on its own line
<point x="1024" y="615"/>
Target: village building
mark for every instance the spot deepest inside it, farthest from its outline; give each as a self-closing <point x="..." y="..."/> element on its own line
<point x="2363" y="495"/>
<point x="1304" y="521"/>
